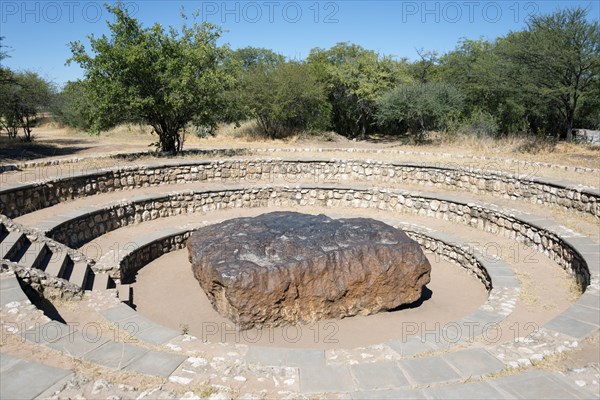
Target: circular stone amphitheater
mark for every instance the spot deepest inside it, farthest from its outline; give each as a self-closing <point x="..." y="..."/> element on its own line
<point x="99" y="300"/>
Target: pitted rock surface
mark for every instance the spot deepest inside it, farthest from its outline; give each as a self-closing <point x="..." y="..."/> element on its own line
<point x="285" y="268"/>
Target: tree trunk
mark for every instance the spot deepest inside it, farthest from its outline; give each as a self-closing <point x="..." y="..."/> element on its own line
<point x="363" y="127"/>
<point x="570" y="132"/>
<point x="570" y="121"/>
<point x="169" y="140"/>
<point x="423" y="132"/>
<point x="12" y="131"/>
<point x="27" y="129"/>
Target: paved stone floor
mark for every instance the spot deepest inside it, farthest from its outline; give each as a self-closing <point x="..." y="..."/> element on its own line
<point x="170" y="364"/>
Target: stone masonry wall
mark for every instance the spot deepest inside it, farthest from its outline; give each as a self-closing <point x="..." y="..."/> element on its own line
<point x="22" y="199"/>
<point x="89" y="226"/>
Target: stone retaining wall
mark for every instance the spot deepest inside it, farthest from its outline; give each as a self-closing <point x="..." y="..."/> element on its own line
<point x="88" y="226"/>
<point x="244" y="151"/>
<point x="23" y="199"/>
<point x="453" y="253"/>
<point x="48" y="286"/>
<point x="131" y="263"/>
<point x="139" y="257"/>
<point x="56" y="247"/>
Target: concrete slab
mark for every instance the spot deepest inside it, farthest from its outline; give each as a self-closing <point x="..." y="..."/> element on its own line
<point x="7" y="361"/>
<point x="571" y="327"/>
<point x="583" y="314"/>
<point x="47" y="333"/>
<point x="115" y="355"/>
<point x="27" y="380"/>
<point x="473" y="362"/>
<point x="410" y="347"/>
<point x="156" y="363"/>
<point x="379" y="375"/>
<point x="305" y="358"/>
<point x="498" y="273"/>
<point x="77" y="344"/>
<point x="271" y="356"/>
<point x="389" y="394"/>
<point x="593" y="262"/>
<point x="539" y="385"/>
<point x="157" y="335"/>
<point x="506" y="281"/>
<point x="136" y="324"/>
<point x="472" y="390"/>
<point x="589" y="300"/>
<point x="325" y="379"/>
<point x="484" y="317"/>
<point x="583" y="244"/>
<point x="10" y="295"/>
<point x="118" y="313"/>
<point x="9" y="282"/>
<point x="429" y="370"/>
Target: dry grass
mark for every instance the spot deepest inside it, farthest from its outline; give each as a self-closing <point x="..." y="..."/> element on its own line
<point x="250" y="132"/>
<point x="135" y="138"/>
<point x="553" y="362"/>
<point x="203" y="390"/>
<point x="575" y="290"/>
<point x="527" y="148"/>
<point x="526" y="294"/>
<point x="94" y="372"/>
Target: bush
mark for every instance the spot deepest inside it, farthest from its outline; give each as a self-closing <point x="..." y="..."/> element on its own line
<point x="71" y="106"/>
<point x="286" y="99"/>
<point x="420" y="107"/>
<point x="479" y="123"/>
<point x="24" y="96"/>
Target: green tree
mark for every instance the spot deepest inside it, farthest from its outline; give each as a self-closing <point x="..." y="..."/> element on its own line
<point x="72" y="107"/>
<point x="5" y="73"/>
<point x="424" y="69"/>
<point x="25" y="96"/>
<point x="421" y="107"/>
<point x="556" y="62"/>
<point x="480" y="74"/>
<point x="250" y="57"/>
<point x="164" y="78"/>
<point x="286" y="98"/>
<point x="354" y="78"/>
<point x="242" y="63"/>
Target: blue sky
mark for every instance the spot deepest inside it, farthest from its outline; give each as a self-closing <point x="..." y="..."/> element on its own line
<point x="37" y="33"/>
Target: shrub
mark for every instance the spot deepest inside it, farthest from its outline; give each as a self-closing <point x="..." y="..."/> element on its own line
<point x="421" y="107"/>
<point x="286" y="99"/>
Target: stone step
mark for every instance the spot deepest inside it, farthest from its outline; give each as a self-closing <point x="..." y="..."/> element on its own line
<point x="79" y="274"/>
<point x="24" y="379"/>
<point x="10" y="291"/>
<point x="56" y="265"/>
<point x="124" y="292"/>
<point x="100" y="282"/>
<point x="11" y="245"/>
<point x="34" y="255"/>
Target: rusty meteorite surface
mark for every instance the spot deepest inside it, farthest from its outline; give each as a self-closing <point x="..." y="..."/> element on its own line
<point x="285" y="268"/>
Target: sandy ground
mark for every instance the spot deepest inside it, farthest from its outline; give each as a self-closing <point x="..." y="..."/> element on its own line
<point x="168" y="284"/>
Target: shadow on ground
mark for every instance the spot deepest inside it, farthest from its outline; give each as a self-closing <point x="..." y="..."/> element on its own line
<point x="18" y="150"/>
<point x="426" y="294"/>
